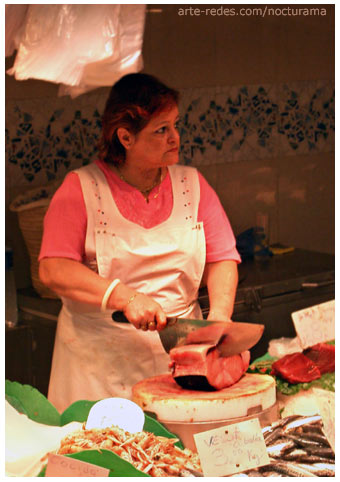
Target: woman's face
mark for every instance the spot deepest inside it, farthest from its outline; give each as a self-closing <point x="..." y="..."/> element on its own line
<point x="157" y="144"/>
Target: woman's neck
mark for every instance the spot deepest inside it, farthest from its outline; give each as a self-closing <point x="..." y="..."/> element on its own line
<point x="142" y="179"/>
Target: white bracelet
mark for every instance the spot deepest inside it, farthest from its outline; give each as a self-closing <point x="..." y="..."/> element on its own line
<point x="108" y="292"/>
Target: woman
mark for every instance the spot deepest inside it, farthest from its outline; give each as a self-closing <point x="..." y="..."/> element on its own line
<point x="134" y="232"/>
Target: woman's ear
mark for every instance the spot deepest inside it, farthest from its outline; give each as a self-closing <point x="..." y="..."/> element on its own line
<point x="125" y="137"/>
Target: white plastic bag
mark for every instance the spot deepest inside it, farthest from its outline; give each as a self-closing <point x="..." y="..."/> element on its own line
<point x="15" y="22"/>
<point x="281" y="347"/>
<point x="80" y="46"/>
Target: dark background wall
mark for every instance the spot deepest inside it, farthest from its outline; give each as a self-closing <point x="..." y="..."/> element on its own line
<point x="206" y="52"/>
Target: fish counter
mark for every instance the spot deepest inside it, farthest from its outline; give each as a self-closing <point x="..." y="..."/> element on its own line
<point x="140" y="438"/>
<point x="213" y="414"/>
<point x="296" y="446"/>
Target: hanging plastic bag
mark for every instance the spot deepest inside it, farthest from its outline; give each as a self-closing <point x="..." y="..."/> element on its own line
<point x="125" y="59"/>
<point x="15" y="22"/>
<point x="80" y="46"/>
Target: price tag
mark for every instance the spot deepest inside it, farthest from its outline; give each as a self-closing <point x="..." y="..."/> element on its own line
<point x="326" y="402"/>
<point x="60" y="466"/>
<point x="232" y="449"/>
<point x="315" y="324"/>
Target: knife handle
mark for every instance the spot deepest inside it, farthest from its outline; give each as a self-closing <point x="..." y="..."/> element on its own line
<point x="119" y="317"/>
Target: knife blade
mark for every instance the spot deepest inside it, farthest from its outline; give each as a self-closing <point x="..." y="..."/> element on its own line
<point x="231" y="338"/>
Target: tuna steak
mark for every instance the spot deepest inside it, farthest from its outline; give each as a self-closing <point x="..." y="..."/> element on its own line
<point x="323" y="355"/>
<point x="296" y="368"/>
<point x="201" y="367"/>
<point x="307" y="366"/>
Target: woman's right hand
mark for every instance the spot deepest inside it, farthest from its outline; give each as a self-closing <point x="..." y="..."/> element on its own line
<point x="141" y="310"/>
<point x="72" y="279"/>
<point x="145" y="313"/>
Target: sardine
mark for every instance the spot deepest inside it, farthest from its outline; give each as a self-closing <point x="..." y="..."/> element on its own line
<point x="297" y="447"/>
<point x="304" y="420"/>
<point x="304" y="457"/>
<point x="286" y="469"/>
<point x="276" y="427"/>
<point x="321" y="452"/>
<point x="314" y="428"/>
<point x="302" y="441"/>
<point x="294" y="454"/>
<point x="280" y="448"/>
<point x="316" y="437"/>
<point x="323" y="473"/>
<point x="284" y="421"/>
<point x="273" y="436"/>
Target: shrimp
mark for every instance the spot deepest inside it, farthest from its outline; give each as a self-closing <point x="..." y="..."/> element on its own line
<point x="154" y="455"/>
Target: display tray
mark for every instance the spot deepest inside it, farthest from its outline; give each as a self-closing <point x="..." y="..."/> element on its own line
<point x="186" y="430"/>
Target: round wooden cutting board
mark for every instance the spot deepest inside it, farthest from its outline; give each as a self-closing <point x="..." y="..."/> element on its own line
<point x="162" y="396"/>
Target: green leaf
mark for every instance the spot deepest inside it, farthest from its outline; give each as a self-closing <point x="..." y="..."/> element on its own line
<point x="326" y="381"/>
<point x="77" y="412"/>
<point x="152" y="425"/>
<point x="285" y="387"/>
<point x="35" y="404"/>
<point x="105" y="458"/>
<point x="264" y="363"/>
<point x="29" y="400"/>
<point x="15" y="404"/>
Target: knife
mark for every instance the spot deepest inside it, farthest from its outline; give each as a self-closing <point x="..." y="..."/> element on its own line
<point x="231" y="338"/>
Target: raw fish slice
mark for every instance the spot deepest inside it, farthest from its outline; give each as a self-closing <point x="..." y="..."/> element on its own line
<point x="323" y="355"/>
<point x="201" y="367"/>
<point x="296" y="368"/>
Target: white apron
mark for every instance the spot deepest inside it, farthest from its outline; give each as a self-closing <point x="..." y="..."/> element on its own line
<point x="93" y="356"/>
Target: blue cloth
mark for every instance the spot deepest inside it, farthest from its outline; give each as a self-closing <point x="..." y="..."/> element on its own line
<point x="251" y="243"/>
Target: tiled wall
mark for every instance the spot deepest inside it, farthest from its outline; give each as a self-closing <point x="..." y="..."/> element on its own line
<point x="45" y="138"/>
<point x="218" y="125"/>
<point x="248" y="122"/>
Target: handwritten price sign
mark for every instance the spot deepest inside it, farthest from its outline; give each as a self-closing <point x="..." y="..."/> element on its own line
<point x="231" y="449"/>
<point x="60" y="466"/>
<point x="315" y="324"/>
<point x="326" y="403"/>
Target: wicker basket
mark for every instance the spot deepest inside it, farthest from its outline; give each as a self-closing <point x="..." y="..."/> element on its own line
<point x="31" y="208"/>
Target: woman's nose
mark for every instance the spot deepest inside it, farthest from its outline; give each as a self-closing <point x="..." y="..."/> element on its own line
<point x="173" y="136"/>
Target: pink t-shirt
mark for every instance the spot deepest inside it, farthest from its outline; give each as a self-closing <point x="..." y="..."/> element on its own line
<point x="66" y="219"/>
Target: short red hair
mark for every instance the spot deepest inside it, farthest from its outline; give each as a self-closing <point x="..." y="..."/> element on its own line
<point x="133" y="100"/>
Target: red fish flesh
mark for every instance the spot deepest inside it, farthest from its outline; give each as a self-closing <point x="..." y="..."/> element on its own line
<point x="307" y="366"/>
<point x="323" y="355"/>
<point x="201" y="367"/>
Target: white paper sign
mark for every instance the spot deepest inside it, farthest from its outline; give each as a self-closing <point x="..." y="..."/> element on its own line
<point x="231" y="449"/>
<point x="326" y="403"/>
<point x="116" y="411"/>
<point x="60" y="466"/>
<point x="315" y="324"/>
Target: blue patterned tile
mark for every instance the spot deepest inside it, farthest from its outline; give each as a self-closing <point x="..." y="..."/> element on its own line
<point x="306" y="122"/>
<point x="45" y="138"/>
